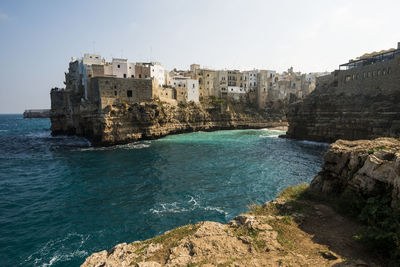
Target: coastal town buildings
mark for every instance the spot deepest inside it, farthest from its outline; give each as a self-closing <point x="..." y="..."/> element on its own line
<point x="120" y="80"/>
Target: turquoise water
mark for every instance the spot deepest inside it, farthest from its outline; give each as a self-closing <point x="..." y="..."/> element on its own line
<point x="61" y="200"/>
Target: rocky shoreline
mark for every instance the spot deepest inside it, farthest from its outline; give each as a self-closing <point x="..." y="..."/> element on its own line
<point x="123" y="123"/>
<point x="304" y="226"/>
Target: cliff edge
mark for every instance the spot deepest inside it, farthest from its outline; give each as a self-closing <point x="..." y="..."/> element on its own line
<point x="123" y="123"/>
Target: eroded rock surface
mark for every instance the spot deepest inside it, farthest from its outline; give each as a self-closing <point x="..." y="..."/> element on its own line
<point x="123" y="123"/>
<point x="368" y="167"/>
<point x="254" y="239"/>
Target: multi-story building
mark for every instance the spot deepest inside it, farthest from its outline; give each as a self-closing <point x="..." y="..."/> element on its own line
<point x="186" y="89"/>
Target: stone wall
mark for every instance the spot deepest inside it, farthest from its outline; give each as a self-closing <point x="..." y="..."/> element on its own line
<point x="107" y="90"/>
<point x="360" y="103"/>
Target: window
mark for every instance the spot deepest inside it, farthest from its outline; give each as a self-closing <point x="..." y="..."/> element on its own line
<point x="264" y="89"/>
<point x="130" y="68"/>
<point x="193" y="85"/>
<point x="115" y="93"/>
<point x="133" y="76"/>
<point x="115" y="87"/>
<point x="140" y="75"/>
<point x="145" y="76"/>
<point x="119" y="66"/>
<point x="129" y="93"/>
<point x="124" y="75"/>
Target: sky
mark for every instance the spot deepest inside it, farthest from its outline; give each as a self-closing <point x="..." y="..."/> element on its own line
<point x="38" y="38"/>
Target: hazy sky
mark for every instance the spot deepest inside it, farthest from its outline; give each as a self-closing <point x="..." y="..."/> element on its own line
<point x="38" y="38"/>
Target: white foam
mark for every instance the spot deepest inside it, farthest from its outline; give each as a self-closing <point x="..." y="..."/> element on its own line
<point x="54" y="249"/>
<point x="175" y="207"/>
<point x="3" y="130"/>
<point x="270" y="136"/>
<point x="139" y="145"/>
<point x="306" y="142"/>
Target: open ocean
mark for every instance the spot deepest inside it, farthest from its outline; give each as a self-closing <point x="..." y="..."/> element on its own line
<point x="61" y="199"/>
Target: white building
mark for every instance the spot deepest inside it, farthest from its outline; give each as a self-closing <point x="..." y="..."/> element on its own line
<point x="157" y="71"/>
<point x="253" y="78"/>
<point x="186" y="89"/>
<point x="131" y="70"/>
<point x="192" y="86"/>
<point x="120" y="67"/>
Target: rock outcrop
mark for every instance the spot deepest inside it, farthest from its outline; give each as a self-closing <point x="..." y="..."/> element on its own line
<point x="36" y="113"/>
<point x="123" y="123"/>
<point x="259" y="238"/>
<point x="366" y="167"/>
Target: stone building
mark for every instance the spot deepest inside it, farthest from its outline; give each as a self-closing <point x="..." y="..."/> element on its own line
<point x="186" y="89"/>
<point x="105" y="91"/>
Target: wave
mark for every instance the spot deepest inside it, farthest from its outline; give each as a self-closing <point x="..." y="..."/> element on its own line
<point x="3" y="130"/>
<point x="138" y="145"/>
<point x="176" y="207"/>
<point x="313" y="143"/>
<point x="45" y="134"/>
<point x="270" y="136"/>
<point x="55" y="250"/>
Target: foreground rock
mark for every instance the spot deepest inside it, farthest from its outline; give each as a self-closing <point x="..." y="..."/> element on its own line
<point x="276" y="234"/>
<point x="123" y="123"/>
<point x="366" y="167"/>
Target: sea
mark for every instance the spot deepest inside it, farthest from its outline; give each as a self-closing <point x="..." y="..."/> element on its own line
<point x="62" y="199"/>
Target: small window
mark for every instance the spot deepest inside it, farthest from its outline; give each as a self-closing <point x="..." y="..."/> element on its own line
<point x="115" y="87"/>
<point x="140" y="75"/>
<point x="133" y="76"/>
<point x="124" y="75"/>
<point x="130" y="68"/>
<point x="119" y="66"/>
<point x="129" y="93"/>
<point x="115" y="93"/>
<point x="193" y="85"/>
<point x="145" y="76"/>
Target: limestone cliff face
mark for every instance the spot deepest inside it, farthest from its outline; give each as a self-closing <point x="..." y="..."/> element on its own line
<point x="331" y="113"/>
<point x="123" y="123"/>
<point x="367" y="167"/>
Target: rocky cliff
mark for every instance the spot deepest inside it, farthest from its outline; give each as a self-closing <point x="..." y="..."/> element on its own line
<point x="367" y="167"/>
<point x="361" y="110"/>
<point x="123" y="123"/>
